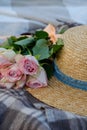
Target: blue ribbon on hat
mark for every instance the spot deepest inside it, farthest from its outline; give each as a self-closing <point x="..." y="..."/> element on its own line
<point x="69" y="80"/>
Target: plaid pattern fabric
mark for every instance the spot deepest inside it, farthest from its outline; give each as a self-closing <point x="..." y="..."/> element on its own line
<point x="19" y="110"/>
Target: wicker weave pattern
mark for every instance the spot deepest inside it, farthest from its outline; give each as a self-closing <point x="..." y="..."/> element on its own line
<point x="63" y="97"/>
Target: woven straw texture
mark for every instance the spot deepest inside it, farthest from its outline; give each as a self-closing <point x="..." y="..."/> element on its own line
<point x="72" y="60"/>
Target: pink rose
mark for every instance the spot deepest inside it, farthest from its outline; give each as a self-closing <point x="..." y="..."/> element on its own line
<point x="34" y="83"/>
<point x="20" y="83"/>
<point x="4" y="61"/>
<point x="37" y="81"/>
<point x="1" y="75"/>
<point x="3" y="81"/>
<point x="27" y="64"/>
<point x="13" y="73"/>
<point x="6" y="84"/>
<point x="8" y="53"/>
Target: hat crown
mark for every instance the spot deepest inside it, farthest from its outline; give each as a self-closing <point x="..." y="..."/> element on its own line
<point x="72" y="59"/>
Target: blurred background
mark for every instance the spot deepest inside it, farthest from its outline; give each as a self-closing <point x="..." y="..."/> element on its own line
<point x="18" y="16"/>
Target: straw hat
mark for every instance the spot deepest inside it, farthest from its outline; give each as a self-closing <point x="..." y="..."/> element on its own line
<point x="67" y="89"/>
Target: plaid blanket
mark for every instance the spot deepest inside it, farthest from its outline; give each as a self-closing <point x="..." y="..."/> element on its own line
<point x="19" y="110"/>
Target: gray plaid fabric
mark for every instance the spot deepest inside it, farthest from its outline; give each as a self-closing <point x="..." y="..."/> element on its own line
<point x="19" y="110"/>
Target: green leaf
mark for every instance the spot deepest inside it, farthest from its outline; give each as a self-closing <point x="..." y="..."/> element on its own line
<point x="11" y="40"/>
<point x="60" y="42"/>
<point x="48" y="66"/>
<point x="62" y="31"/>
<point x="56" y="47"/>
<point x="25" y="42"/>
<point x="5" y="44"/>
<point x="21" y="38"/>
<point x="41" y="48"/>
<point x="41" y="34"/>
<point x="37" y="57"/>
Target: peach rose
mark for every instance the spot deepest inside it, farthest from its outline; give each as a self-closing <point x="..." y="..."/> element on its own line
<point x="50" y="29"/>
<point x="52" y="33"/>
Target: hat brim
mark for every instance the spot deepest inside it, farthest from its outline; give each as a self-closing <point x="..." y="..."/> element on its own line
<point x="61" y="96"/>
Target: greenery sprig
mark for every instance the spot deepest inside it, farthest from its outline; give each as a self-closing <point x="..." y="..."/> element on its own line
<point x="39" y="45"/>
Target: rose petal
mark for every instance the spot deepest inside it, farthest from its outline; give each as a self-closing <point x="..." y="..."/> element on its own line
<point x="42" y="77"/>
<point x="27" y="64"/>
<point x="32" y="58"/>
<point x="13" y="73"/>
<point x="6" y="85"/>
<point x="33" y="83"/>
<point x="21" y="82"/>
<point x="50" y="29"/>
<point x="4" y="61"/>
<point x="2" y="49"/>
<point x="9" y="54"/>
<point x="37" y="81"/>
<point x="18" y="58"/>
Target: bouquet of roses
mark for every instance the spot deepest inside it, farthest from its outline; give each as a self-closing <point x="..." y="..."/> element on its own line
<point x="27" y="60"/>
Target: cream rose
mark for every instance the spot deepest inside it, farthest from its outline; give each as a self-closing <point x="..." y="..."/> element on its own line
<point x="8" y="53"/>
<point x="4" y="61"/>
